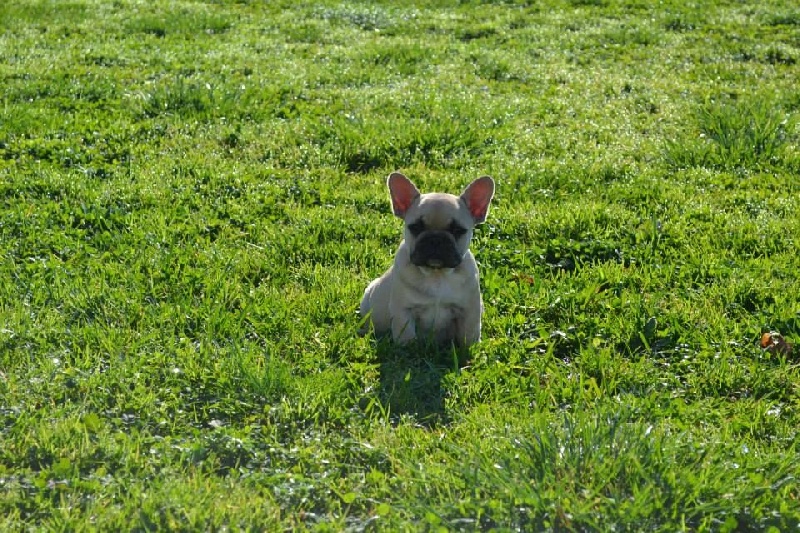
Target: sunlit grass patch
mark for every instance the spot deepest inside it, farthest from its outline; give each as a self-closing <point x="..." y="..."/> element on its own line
<point x="734" y="135"/>
<point x="187" y="21"/>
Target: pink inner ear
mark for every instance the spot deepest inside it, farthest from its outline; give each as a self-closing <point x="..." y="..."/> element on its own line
<point x="403" y="193"/>
<point x="478" y="208"/>
<point x="401" y="201"/>
<point x="478" y="196"/>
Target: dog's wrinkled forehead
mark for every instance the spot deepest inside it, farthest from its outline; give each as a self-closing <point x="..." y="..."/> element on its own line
<point x="438" y="211"/>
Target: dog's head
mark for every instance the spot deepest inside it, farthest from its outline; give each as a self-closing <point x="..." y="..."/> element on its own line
<point x="438" y="226"/>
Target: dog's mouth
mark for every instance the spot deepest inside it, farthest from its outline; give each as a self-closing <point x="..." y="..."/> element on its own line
<point x="438" y="264"/>
<point x="436" y="251"/>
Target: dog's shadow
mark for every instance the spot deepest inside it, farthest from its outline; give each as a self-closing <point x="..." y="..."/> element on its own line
<point x="411" y="380"/>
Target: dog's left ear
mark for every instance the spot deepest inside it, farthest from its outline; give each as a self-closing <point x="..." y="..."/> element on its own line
<point x="477" y="196"/>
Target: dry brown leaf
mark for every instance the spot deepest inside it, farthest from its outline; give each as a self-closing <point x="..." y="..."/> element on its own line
<point x="773" y="342"/>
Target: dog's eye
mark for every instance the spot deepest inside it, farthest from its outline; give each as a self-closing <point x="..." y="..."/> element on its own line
<point x="456" y="229"/>
<point x="417" y="227"/>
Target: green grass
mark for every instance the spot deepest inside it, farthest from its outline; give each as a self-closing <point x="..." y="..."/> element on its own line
<point x="192" y="200"/>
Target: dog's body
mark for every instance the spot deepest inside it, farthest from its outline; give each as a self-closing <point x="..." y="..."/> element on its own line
<point x="432" y="290"/>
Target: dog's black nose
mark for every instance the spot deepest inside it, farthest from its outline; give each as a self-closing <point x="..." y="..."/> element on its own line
<point x="436" y="249"/>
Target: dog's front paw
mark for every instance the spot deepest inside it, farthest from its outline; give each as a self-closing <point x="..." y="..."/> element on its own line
<point x="403" y="332"/>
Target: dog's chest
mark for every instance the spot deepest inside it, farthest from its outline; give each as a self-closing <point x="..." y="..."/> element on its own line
<point x="440" y="303"/>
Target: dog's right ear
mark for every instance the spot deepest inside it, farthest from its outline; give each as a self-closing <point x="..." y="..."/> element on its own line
<point x="403" y="193"/>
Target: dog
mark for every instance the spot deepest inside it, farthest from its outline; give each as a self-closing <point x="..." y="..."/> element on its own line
<point x="432" y="290"/>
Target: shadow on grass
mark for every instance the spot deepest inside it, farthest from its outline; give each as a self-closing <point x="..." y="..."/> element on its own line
<point x="411" y="380"/>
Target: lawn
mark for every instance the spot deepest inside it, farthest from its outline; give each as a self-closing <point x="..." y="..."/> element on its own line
<point x="193" y="198"/>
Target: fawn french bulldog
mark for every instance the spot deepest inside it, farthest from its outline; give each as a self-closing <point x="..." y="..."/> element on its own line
<point x="432" y="290"/>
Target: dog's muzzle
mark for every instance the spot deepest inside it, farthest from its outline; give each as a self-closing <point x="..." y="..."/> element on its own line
<point x="436" y="249"/>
